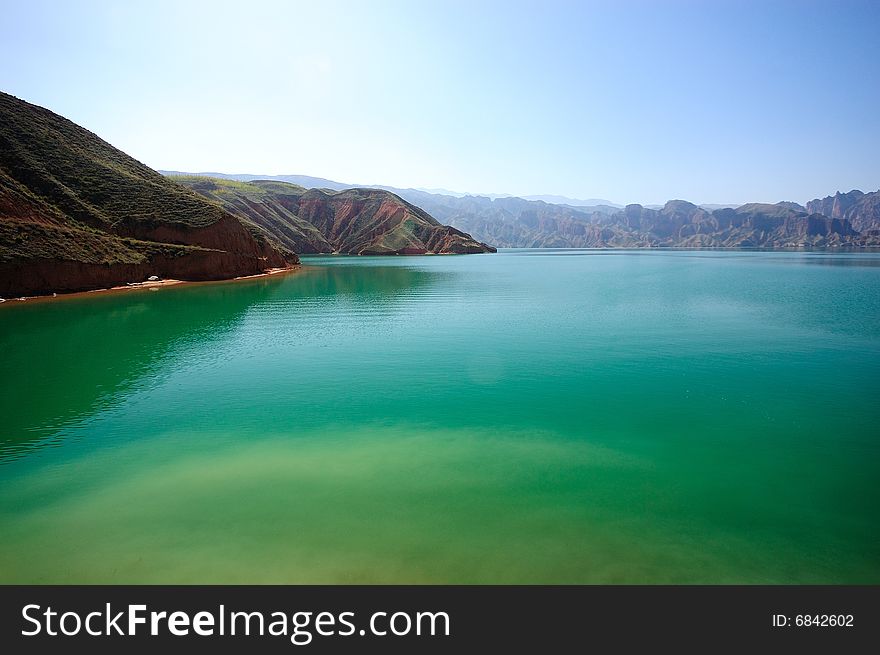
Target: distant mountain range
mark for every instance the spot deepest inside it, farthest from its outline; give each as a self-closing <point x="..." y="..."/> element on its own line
<point x="862" y="210"/>
<point x="851" y="219"/>
<point x="572" y="202"/>
<point x="310" y="182"/>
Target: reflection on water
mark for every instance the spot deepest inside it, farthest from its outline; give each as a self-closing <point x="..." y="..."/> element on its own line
<point x="836" y="257"/>
<point x="531" y="416"/>
<point x="64" y="359"/>
<point x="850" y="259"/>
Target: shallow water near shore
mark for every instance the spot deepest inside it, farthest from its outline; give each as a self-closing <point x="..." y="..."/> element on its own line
<point x="534" y="416"/>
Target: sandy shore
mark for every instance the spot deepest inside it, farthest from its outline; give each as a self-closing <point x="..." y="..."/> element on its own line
<point x="153" y="285"/>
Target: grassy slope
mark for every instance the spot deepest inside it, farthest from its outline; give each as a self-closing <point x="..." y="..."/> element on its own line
<point x="265" y="205"/>
<point x="356" y="221"/>
<point x="66" y="194"/>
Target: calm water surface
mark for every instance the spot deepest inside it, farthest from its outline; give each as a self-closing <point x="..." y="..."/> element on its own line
<point x="532" y="416"/>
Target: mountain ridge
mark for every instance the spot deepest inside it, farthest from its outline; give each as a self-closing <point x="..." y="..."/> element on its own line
<point x="510" y="221"/>
<point x="358" y="221"/>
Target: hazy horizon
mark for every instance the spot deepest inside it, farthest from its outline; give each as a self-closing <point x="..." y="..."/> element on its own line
<point x="541" y="196"/>
<point x="632" y="102"/>
<point x="501" y="194"/>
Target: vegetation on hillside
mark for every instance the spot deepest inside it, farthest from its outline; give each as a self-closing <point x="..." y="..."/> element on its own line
<point x="352" y="221"/>
<point x="67" y="196"/>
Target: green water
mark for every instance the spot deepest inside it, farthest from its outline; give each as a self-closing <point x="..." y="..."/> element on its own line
<point x="526" y="417"/>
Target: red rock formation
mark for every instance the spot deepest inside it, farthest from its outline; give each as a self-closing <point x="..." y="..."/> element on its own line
<point x="353" y="221"/>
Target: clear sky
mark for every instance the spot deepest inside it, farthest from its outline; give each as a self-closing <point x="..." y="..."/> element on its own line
<point x="707" y="100"/>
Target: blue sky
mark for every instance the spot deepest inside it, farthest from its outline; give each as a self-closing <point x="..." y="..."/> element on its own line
<point x="711" y="101"/>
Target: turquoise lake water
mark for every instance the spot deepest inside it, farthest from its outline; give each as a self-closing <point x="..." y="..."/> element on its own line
<point x="566" y="416"/>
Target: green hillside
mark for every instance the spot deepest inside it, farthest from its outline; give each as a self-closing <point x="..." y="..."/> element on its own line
<point x="68" y="197"/>
<point x="264" y="204"/>
<point x="353" y="221"/>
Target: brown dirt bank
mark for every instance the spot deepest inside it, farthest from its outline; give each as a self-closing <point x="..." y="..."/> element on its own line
<point x="144" y="286"/>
